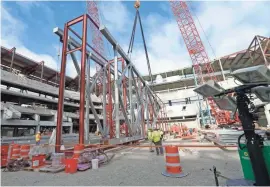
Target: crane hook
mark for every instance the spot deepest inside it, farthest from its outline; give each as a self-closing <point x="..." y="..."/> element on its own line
<point x="137" y="4"/>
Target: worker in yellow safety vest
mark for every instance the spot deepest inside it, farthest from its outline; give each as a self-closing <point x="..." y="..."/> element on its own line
<point x="38" y="137"/>
<point x="156" y="137"/>
<point x="149" y="136"/>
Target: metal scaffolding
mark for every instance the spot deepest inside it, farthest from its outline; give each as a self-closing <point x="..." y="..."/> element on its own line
<point x="126" y="98"/>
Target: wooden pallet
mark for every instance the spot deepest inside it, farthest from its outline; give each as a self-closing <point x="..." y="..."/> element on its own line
<point x="31" y="169"/>
<point x="52" y="169"/>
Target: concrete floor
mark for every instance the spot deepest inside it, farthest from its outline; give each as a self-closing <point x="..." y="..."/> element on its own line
<point x="137" y="167"/>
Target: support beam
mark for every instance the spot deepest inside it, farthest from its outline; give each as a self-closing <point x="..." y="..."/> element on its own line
<point x="116" y="91"/>
<point x="61" y="91"/>
<point x="82" y="84"/>
<point x="200" y="102"/>
<point x="42" y="71"/>
<point x="12" y="58"/>
<point x="124" y="94"/>
<point x="124" y="111"/>
<point x="88" y="95"/>
<point x="110" y="116"/>
<point x="74" y="60"/>
<point x="104" y="102"/>
<point x="221" y="68"/>
<point x="131" y="109"/>
<point x="96" y="117"/>
<point x="37" y="119"/>
<point x="147" y="109"/>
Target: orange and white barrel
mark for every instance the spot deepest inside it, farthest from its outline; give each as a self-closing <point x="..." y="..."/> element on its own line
<point x="15" y="151"/>
<point x="25" y="149"/>
<point x="78" y="150"/>
<point x="173" y="167"/>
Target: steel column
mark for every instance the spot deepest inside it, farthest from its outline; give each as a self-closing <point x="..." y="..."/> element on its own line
<point x="74" y="60"/>
<point x="221" y="68"/>
<point x="131" y="114"/>
<point x="147" y="109"/>
<point x="200" y="103"/>
<point x="262" y="51"/>
<point x="12" y="58"/>
<point x="82" y="81"/>
<point x="110" y="107"/>
<point x="88" y="95"/>
<point x="124" y="112"/>
<point x="124" y="93"/>
<point x="104" y="101"/>
<point x="142" y="109"/>
<point x="60" y="107"/>
<point x="42" y="71"/>
<point x="116" y="98"/>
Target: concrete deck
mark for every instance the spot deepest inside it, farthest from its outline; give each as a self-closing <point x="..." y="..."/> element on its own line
<point x="137" y="167"/>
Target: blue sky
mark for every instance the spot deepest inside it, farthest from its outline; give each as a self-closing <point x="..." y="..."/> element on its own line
<point x="229" y="26"/>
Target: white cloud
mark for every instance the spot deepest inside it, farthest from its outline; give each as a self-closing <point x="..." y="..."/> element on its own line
<point x="230" y="27"/>
<point x="165" y="48"/>
<point x="12" y="34"/>
<point x="27" y="8"/>
<point x="115" y="15"/>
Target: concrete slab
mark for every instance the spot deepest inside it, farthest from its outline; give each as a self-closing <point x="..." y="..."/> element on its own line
<point x="139" y="167"/>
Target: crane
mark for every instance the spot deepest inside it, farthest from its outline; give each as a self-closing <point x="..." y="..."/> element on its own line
<point x="98" y="45"/>
<point x="198" y="54"/>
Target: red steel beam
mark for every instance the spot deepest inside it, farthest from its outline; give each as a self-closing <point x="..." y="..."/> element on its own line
<point x="110" y="103"/>
<point x="75" y="20"/>
<point x="60" y="108"/>
<point x="82" y="81"/>
<point x="73" y="50"/>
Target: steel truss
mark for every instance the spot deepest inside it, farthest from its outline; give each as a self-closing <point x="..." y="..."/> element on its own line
<point x="260" y="47"/>
<point x="126" y="98"/>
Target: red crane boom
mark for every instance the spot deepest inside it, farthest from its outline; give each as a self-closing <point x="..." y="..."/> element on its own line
<point x="92" y="10"/>
<point x="198" y="54"/>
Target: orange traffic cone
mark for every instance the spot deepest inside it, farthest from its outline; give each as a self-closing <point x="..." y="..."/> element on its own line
<point x="173" y="167"/>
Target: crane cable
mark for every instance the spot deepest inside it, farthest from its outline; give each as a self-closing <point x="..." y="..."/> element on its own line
<point x="132" y="34"/>
<point x="131" y="43"/>
<point x="213" y="51"/>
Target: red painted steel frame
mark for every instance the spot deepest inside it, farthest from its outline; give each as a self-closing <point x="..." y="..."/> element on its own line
<point x="60" y="109"/>
<point x="82" y="83"/>
<point x="61" y="91"/>
<point x="110" y="103"/>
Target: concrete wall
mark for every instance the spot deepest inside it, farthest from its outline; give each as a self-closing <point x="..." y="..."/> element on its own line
<point x="190" y="123"/>
<point x="179" y="110"/>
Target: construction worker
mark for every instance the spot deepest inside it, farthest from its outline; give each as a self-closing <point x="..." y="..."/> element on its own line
<point x="156" y="137"/>
<point x="38" y="137"/>
<point x="149" y="136"/>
